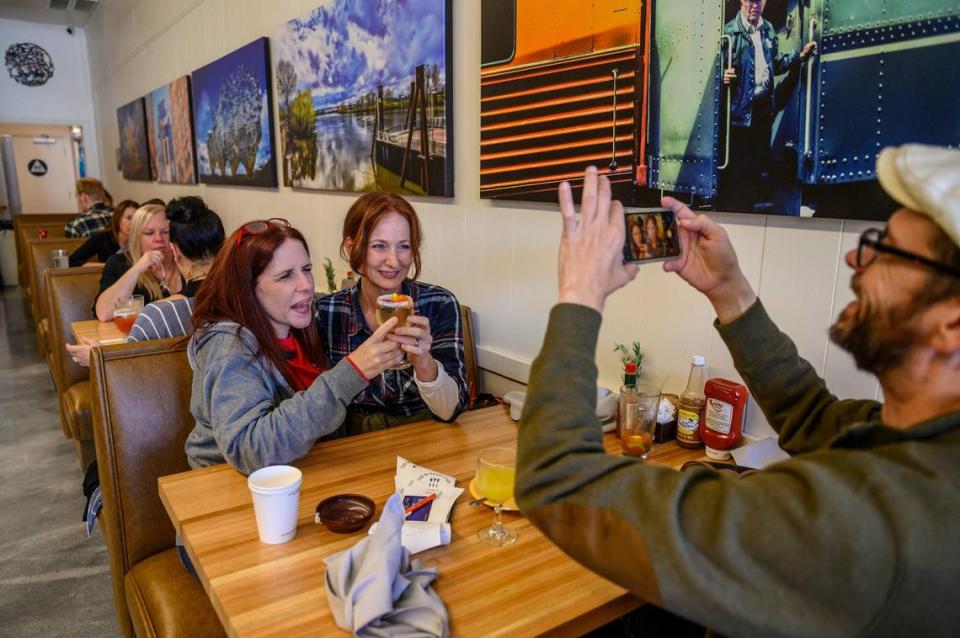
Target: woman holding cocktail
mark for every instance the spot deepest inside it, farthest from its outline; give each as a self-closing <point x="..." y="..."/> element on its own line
<point x="146" y="268"/>
<point x="263" y="391"/>
<point x="381" y="241"/>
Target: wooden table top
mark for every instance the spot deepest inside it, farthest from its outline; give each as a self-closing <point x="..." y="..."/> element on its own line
<point x="104" y="331"/>
<point x="526" y="589"/>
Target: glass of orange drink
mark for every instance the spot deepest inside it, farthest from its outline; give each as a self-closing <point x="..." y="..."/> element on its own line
<point x="496" y="473"/>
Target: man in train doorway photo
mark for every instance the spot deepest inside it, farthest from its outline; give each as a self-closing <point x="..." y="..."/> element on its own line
<point x="755" y="60"/>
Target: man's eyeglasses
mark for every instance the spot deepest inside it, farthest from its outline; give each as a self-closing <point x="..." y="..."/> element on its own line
<point x="258" y="226"/>
<point x="871" y="244"/>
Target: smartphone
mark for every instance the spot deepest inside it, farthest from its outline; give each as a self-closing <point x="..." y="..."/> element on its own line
<point x="652" y="235"/>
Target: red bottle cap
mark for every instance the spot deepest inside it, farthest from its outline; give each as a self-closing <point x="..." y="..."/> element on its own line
<point x="631" y="368"/>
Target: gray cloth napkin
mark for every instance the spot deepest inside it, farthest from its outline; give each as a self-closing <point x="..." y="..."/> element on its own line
<point x="376" y="591"/>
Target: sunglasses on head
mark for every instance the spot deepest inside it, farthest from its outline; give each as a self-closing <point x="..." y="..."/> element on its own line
<point x="258" y="226"/>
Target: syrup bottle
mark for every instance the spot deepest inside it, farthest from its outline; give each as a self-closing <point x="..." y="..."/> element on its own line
<point x="690" y="409"/>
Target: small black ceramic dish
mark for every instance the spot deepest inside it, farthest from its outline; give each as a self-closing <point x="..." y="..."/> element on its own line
<point x="345" y="513"/>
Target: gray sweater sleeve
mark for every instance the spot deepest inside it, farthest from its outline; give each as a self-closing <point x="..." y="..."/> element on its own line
<point x="252" y="423"/>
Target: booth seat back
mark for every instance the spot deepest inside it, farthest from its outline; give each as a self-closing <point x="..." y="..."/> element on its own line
<point x="69" y="294"/>
<point x="28" y="226"/>
<point x="469" y="352"/>
<point x="139" y="429"/>
<point x="39" y="258"/>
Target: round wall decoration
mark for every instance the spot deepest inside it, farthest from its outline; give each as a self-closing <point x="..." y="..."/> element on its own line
<point x="29" y="64"/>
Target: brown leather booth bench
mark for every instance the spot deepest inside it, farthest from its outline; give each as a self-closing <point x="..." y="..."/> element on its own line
<point x="141" y="419"/>
<point x="69" y="294"/>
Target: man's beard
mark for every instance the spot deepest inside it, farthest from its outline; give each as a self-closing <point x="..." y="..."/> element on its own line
<point x="879" y="340"/>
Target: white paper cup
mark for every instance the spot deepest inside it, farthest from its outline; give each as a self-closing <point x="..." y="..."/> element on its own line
<point x="276" y="496"/>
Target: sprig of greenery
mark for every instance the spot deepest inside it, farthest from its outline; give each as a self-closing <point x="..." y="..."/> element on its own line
<point x="331" y="274"/>
<point x="634" y="353"/>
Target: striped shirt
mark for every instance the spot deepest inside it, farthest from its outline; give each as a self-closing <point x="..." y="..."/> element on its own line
<point x="97" y="218"/>
<point x="163" y="319"/>
<point x="341" y="324"/>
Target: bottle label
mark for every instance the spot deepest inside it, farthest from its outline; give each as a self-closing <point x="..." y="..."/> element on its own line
<point x="719" y="416"/>
<point x="688" y="425"/>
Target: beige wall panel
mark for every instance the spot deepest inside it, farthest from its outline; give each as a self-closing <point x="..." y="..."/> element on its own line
<point x="840" y="372"/>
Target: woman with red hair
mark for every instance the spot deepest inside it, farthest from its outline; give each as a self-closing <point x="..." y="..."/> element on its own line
<point x="381" y="241"/>
<point x="263" y="392"/>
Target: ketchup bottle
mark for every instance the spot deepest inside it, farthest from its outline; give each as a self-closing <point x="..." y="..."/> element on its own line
<point x="721" y="428"/>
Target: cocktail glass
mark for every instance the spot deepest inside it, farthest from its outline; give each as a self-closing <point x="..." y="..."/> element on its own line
<point x="401" y="307"/>
<point x="496" y="472"/>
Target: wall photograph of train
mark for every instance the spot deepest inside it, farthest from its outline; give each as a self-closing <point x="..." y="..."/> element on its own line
<point x="674" y="97"/>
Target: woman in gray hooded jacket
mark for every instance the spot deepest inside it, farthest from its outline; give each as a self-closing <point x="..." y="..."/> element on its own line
<point x="262" y="391"/>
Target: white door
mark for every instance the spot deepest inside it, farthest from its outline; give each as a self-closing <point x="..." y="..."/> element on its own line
<point x="45" y="172"/>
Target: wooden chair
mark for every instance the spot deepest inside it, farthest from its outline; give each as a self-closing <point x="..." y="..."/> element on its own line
<point x="27" y="226"/>
<point x="69" y="291"/>
<point x="469" y="353"/>
<point x="38" y="260"/>
<point x="140" y="430"/>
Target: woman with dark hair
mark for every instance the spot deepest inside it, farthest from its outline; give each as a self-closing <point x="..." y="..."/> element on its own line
<point x="381" y="241"/>
<point x="196" y="235"/>
<point x="263" y="392"/>
<point x="100" y="246"/>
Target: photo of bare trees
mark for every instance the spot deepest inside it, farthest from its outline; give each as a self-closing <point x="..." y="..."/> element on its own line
<point x="233" y="121"/>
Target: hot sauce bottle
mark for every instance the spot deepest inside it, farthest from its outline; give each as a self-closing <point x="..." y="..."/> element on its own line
<point x="722" y="426"/>
<point x="628" y="392"/>
<point x="690" y="408"/>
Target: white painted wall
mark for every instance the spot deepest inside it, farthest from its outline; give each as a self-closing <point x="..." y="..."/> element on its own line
<point x="500" y="258"/>
<point x="66" y="98"/>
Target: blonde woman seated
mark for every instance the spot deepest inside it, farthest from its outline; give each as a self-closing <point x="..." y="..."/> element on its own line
<point x="145" y="268"/>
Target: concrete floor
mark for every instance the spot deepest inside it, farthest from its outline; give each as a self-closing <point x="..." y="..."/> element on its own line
<point x="54" y="581"/>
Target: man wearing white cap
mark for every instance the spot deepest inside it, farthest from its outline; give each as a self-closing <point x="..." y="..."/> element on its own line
<point x="859" y="532"/>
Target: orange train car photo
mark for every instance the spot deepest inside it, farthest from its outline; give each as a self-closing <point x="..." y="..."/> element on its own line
<point x="563" y="86"/>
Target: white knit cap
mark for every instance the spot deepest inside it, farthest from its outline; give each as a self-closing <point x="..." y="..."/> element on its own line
<point x="925" y="179"/>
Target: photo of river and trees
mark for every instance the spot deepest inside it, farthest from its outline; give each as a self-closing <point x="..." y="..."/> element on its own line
<point x="363" y="97"/>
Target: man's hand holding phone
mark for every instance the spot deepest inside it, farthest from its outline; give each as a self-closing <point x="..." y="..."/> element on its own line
<point x="591" y="262"/>
<point x="709" y="263"/>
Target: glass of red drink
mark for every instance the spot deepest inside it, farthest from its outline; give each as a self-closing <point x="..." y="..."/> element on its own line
<point x="125" y="312"/>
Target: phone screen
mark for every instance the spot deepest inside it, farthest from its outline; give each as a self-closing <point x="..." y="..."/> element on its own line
<point x="652" y="235"/>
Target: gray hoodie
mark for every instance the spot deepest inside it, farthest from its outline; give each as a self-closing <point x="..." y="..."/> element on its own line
<point x="247" y="414"/>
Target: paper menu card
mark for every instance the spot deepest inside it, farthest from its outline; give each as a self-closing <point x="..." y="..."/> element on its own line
<point x="428" y="525"/>
<point x="414" y="482"/>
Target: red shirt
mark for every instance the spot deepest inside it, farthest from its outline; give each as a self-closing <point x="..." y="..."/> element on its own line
<point x="304" y="372"/>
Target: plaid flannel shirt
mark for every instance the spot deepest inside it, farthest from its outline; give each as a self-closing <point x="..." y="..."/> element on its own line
<point x="97" y="218"/>
<point x="341" y="323"/>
